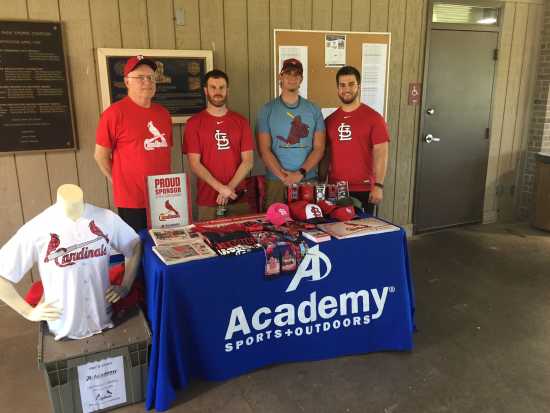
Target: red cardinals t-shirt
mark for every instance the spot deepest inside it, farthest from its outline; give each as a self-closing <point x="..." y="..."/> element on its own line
<point x="219" y="140"/>
<point x="351" y="136"/>
<point x="141" y="139"/>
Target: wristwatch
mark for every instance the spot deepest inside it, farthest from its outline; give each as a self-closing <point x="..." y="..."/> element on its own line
<point x="302" y="171"/>
<point x="379" y="185"/>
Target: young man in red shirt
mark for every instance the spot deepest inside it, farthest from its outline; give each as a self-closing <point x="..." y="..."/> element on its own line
<point x="358" y="141"/>
<point x="219" y="146"/>
<point x="133" y="141"/>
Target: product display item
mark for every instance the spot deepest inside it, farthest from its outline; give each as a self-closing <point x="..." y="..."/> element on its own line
<point x="73" y="261"/>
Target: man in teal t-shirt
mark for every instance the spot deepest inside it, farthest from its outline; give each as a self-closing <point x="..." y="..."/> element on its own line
<point x="291" y="135"/>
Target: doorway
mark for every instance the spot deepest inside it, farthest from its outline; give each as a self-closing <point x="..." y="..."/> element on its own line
<point x="454" y="136"/>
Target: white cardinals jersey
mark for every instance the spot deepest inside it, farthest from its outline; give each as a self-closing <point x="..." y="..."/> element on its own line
<point x="73" y="261"/>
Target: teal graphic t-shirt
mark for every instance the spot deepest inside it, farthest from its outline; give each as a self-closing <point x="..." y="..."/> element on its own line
<point x="291" y="129"/>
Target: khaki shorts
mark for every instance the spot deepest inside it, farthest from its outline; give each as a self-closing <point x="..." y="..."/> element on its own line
<point x="206" y="213"/>
<point x="275" y="191"/>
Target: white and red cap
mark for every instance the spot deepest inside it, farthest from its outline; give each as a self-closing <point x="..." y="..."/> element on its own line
<point x="135" y="61"/>
<point x="305" y="211"/>
<point x="278" y="214"/>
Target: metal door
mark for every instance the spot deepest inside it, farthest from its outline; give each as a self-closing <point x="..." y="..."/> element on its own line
<point x="454" y="140"/>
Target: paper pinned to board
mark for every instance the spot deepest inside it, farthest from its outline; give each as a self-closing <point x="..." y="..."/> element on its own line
<point x="373" y="75"/>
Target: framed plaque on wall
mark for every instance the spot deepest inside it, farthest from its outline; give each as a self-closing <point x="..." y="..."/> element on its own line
<point x="179" y="77"/>
<point x="35" y="100"/>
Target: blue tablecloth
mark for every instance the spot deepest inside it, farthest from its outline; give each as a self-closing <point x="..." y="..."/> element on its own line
<point x="219" y="318"/>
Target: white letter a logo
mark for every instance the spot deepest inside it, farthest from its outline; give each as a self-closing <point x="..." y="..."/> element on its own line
<point x="310" y="267"/>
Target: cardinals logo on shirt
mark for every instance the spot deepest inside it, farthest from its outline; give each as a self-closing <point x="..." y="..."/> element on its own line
<point x="221" y="140"/>
<point x="158" y="140"/>
<point x="64" y="257"/>
<point x="298" y="131"/>
<point x="344" y="132"/>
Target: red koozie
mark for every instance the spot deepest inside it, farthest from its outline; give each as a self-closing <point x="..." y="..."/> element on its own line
<point x="307" y="192"/>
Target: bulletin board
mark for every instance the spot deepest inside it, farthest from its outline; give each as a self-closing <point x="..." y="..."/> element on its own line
<point x="367" y="52"/>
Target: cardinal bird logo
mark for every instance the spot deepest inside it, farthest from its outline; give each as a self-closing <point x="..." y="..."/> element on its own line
<point x="171" y="214"/>
<point x="97" y="231"/>
<point x="298" y="131"/>
<point x="158" y="140"/>
<point x="52" y="245"/>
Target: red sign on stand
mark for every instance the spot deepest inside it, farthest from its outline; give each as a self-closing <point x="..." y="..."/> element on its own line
<point x="415" y="92"/>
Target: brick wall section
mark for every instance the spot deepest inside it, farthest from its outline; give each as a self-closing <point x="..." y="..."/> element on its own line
<point x="539" y="125"/>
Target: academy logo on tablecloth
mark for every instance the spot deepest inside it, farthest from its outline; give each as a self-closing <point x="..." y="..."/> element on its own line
<point x="310" y="268"/>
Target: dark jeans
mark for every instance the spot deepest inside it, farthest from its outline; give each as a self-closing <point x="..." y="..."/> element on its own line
<point x="364" y="198"/>
<point x="135" y="217"/>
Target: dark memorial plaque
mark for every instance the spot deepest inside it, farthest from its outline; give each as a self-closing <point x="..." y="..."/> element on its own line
<point x="35" y="110"/>
<point x="178" y="82"/>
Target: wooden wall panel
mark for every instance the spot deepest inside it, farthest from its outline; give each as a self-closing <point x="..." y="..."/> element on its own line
<point x="32" y="168"/>
<point x="279" y="18"/>
<point x="75" y="15"/>
<point x="133" y="24"/>
<point x="301" y="14"/>
<point x="341" y="15"/>
<point x="259" y="57"/>
<point x="406" y="149"/>
<point x="12" y="206"/>
<point x="322" y="15"/>
<point x="497" y="113"/>
<point x="188" y="36"/>
<point x="162" y="35"/>
<point x="396" y="28"/>
<point x="505" y="169"/>
<point x="104" y="15"/>
<point x="360" y="15"/>
<point x="236" y="43"/>
<point x="379" y="15"/>
<point x="212" y="32"/>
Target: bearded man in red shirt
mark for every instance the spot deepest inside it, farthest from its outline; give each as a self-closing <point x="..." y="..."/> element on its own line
<point x="358" y="141"/>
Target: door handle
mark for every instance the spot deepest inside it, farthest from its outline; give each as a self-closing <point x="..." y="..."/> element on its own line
<point x="430" y="138"/>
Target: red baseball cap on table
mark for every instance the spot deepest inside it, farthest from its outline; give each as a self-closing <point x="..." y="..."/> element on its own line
<point x="135" y="61"/>
<point x="343" y="213"/>
<point x="278" y="214"/>
<point x="326" y="206"/>
<point x="292" y="64"/>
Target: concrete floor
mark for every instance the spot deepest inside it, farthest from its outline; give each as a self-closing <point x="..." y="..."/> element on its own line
<point x="483" y="343"/>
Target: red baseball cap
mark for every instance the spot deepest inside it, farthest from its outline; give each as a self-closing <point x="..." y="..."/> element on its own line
<point x="278" y="214"/>
<point x="326" y="206"/>
<point x="135" y="61"/>
<point x="305" y="211"/>
<point x="292" y="64"/>
<point x="343" y="213"/>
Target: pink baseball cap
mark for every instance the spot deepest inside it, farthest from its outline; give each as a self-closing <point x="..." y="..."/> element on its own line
<point x="135" y="61"/>
<point x="278" y="214"/>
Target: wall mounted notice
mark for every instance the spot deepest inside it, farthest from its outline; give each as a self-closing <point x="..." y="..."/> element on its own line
<point x="35" y="109"/>
<point x="102" y="384"/>
<point x="373" y="76"/>
<point x="335" y="50"/>
<point x="295" y="52"/>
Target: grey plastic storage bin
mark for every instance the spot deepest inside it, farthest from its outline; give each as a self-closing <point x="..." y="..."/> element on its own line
<point x="131" y="338"/>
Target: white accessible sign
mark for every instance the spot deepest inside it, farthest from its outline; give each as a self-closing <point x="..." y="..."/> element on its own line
<point x="102" y="384"/>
